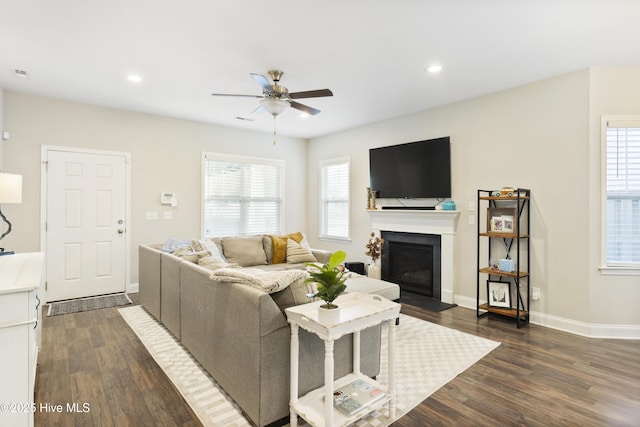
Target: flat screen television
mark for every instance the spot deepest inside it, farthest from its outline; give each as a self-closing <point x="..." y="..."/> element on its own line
<point x="415" y="170"/>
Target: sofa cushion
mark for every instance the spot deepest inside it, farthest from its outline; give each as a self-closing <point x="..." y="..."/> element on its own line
<point x="244" y="250"/>
<point x="189" y="254"/>
<point x="294" y="294"/>
<point x="279" y="244"/>
<point x="267" y="244"/>
<point x="214" y="263"/>
<point x="211" y="248"/>
<point x="297" y="252"/>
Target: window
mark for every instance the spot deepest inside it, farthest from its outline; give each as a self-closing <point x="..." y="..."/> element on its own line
<point x="334" y="215"/>
<point x="622" y="191"/>
<point x="241" y="195"/>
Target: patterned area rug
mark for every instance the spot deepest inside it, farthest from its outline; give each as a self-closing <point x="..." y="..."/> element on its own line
<point x="86" y="304"/>
<point x="427" y="357"/>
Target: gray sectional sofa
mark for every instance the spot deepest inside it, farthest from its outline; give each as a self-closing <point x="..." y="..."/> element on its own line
<point x="238" y="333"/>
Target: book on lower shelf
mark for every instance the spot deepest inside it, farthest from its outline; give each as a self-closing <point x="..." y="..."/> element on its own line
<point x="355" y="396"/>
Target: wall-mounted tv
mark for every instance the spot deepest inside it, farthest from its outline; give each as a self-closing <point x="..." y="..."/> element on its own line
<point x="415" y="170"/>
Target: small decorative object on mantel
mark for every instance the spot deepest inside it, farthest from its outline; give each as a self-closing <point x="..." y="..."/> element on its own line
<point x="368" y="198"/>
<point x="374" y="250"/>
<point x="449" y="205"/>
<point x="329" y="279"/>
<point x="373" y="199"/>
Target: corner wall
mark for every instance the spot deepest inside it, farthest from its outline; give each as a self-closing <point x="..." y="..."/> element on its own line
<point x="613" y="299"/>
<point x="534" y="136"/>
<point x="165" y="156"/>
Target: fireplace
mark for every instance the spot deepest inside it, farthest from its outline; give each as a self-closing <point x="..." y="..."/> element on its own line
<point x="441" y="223"/>
<point x="412" y="260"/>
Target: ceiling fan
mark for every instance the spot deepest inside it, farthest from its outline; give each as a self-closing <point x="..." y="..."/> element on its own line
<point x="275" y="98"/>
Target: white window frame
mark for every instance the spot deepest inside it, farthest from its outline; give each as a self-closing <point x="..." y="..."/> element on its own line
<point x="605" y="268"/>
<point x="323" y="203"/>
<point x="243" y="160"/>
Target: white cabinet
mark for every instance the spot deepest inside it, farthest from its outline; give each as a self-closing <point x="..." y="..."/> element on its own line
<point x="20" y="279"/>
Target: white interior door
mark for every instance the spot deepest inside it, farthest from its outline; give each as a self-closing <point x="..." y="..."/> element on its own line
<point x="85" y="225"/>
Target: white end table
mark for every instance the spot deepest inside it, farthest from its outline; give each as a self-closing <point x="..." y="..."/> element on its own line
<point x="358" y="311"/>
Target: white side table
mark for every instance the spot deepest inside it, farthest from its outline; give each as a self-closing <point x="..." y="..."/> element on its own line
<point x="358" y="311"/>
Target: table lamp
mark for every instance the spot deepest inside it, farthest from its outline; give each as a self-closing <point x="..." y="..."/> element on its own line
<point x="10" y="192"/>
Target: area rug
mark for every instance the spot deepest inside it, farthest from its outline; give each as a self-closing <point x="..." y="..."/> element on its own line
<point x="425" y="302"/>
<point x="86" y="304"/>
<point x="427" y="357"/>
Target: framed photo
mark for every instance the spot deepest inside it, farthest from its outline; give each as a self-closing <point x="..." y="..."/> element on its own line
<point x="501" y="220"/>
<point x="499" y="294"/>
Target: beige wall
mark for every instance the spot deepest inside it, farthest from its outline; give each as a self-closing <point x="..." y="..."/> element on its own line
<point x="1" y="126"/>
<point x="544" y="136"/>
<point x="614" y="299"/>
<point x="534" y="136"/>
<point x="165" y="156"/>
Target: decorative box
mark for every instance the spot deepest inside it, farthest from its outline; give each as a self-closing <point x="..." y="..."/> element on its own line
<point x="506" y="265"/>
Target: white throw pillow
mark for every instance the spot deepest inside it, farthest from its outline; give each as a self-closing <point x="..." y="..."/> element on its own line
<point x="297" y="253"/>
<point x="212" y="248"/>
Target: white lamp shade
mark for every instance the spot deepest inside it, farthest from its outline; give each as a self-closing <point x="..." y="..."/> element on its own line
<point x="10" y="188"/>
<point x="274" y="106"/>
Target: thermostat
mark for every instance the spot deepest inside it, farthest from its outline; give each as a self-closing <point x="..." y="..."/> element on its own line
<point x="169" y="199"/>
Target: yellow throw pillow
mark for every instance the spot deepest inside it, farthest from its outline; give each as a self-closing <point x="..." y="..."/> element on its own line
<point x="280" y="246"/>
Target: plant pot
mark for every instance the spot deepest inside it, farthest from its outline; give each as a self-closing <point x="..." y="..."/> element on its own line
<point x="329" y="314"/>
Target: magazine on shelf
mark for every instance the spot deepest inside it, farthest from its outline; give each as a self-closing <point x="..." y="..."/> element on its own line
<point x="354" y="396"/>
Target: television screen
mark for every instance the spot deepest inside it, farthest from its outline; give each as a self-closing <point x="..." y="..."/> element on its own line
<point x="416" y="170"/>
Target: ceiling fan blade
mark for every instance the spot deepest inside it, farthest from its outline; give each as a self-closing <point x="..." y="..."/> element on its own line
<point x="230" y="94"/>
<point x="311" y="94"/>
<point x="304" y="108"/>
<point x="262" y="81"/>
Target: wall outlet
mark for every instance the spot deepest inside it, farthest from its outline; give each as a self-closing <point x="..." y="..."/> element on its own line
<point x="151" y="215"/>
<point x="472" y="219"/>
<point x="535" y="294"/>
<point x="167" y="215"/>
<point x="472" y="205"/>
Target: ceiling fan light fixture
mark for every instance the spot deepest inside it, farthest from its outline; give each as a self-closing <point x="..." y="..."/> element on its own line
<point x="274" y="106"/>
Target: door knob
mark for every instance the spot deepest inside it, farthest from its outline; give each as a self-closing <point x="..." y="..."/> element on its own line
<point x="120" y="231"/>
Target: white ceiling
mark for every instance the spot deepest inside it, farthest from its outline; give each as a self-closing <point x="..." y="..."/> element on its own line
<point x="371" y="53"/>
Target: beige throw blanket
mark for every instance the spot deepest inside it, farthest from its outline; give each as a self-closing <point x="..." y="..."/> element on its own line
<point x="268" y="281"/>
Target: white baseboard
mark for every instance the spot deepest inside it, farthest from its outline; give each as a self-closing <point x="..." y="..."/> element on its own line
<point x="631" y="332"/>
<point x="132" y="288"/>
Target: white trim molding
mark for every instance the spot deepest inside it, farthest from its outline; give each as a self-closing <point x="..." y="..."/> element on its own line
<point x="438" y="222"/>
<point x="589" y="330"/>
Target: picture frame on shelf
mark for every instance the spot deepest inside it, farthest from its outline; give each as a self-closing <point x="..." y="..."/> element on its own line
<point x="499" y="294"/>
<point x="501" y="220"/>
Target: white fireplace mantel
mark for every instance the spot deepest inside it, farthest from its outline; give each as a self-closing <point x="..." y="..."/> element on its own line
<point x="439" y="222"/>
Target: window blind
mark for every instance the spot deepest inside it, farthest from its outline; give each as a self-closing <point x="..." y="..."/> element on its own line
<point x="335" y="198"/>
<point x="623" y="193"/>
<point x="242" y="196"/>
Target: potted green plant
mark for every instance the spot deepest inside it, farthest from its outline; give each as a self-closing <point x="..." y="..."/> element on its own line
<point x="329" y="279"/>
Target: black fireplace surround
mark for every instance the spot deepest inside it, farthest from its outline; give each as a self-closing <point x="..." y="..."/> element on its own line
<point x="412" y="260"/>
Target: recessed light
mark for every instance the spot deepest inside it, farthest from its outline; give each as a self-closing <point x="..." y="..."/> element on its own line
<point x="434" y="68"/>
<point x="133" y="78"/>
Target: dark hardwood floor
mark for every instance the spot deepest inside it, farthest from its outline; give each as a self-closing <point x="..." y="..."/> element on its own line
<point x="536" y="377"/>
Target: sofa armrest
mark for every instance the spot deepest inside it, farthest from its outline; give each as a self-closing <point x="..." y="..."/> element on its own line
<point x="149" y="279"/>
<point x="322" y="255"/>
